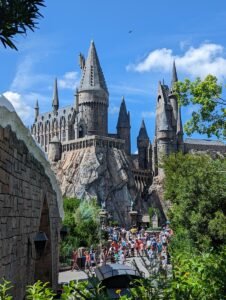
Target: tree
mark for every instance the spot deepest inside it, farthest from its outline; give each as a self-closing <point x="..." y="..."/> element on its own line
<point x="195" y="185"/>
<point x="16" y="17"/>
<point x="206" y="95"/>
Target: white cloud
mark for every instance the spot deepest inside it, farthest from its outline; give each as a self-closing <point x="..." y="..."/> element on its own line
<point x="24" y="110"/>
<point x="113" y="110"/>
<point x="148" y="114"/>
<point x="208" y="58"/>
<point x="69" y="80"/>
<point x="26" y="78"/>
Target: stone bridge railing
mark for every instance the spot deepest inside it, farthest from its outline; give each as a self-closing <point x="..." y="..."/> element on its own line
<point x="94" y="140"/>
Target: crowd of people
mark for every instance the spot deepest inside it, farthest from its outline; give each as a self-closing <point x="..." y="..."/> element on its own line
<point x="123" y="244"/>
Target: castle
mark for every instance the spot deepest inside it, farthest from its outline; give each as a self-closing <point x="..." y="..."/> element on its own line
<point x="85" y="124"/>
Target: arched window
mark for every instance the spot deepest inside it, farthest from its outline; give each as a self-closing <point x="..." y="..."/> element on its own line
<point x="80" y="131"/>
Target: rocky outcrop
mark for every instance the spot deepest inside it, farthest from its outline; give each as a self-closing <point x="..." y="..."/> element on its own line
<point x="98" y="172"/>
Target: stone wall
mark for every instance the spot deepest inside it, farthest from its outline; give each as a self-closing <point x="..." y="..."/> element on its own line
<point x="29" y="203"/>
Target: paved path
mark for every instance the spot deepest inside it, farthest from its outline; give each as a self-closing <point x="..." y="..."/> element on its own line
<point x="67" y="276"/>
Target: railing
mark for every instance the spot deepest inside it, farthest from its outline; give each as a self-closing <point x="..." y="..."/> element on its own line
<point x="94" y="140"/>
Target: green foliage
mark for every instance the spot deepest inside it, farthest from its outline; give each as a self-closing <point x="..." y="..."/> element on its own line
<point x="195" y="185"/>
<point x="39" y="291"/>
<point x="5" y="286"/>
<point x="206" y="96"/>
<point x="82" y="220"/>
<point x="198" y="276"/>
<point x="16" y="17"/>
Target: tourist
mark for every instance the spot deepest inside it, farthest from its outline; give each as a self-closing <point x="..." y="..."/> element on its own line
<point x="74" y="260"/>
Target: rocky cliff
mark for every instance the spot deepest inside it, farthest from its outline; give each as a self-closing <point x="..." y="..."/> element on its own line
<point x="103" y="173"/>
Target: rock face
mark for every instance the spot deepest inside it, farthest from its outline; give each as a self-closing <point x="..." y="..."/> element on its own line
<point x="103" y="173"/>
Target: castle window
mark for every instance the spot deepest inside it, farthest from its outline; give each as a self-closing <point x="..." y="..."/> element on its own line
<point x="80" y="132"/>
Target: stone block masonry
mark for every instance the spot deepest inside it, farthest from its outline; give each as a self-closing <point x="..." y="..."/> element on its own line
<point x="29" y="203"/>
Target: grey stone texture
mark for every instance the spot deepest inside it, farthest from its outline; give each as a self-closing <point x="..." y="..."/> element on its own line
<point x="28" y="204"/>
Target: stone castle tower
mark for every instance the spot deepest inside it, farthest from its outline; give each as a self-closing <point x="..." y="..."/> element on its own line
<point x="91" y="162"/>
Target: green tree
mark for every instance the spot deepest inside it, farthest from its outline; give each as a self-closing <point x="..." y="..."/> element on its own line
<point x="195" y="185"/>
<point x="16" y="17"/>
<point x="209" y="113"/>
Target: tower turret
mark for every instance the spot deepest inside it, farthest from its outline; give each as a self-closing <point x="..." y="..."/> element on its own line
<point x="143" y="145"/>
<point x="173" y="98"/>
<point x="36" y="110"/>
<point x="55" y="102"/>
<point x="180" y="133"/>
<point x="123" y="126"/>
<point x="93" y="97"/>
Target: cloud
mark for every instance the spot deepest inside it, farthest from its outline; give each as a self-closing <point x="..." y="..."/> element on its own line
<point x="208" y="58"/>
<point x="24" y="110"/>
<point x="69" y="80"/>
<point x="26" y="77"/>
<point x="148" y="114"/>
<point x="113" y="110"/>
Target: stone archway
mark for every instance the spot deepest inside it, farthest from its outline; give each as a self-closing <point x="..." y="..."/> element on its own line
<point x="43" y="265"/>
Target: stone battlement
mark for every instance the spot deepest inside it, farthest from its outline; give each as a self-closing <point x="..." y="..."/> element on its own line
<point x="94" y="140"/>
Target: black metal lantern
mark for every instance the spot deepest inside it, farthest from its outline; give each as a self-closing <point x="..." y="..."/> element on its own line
<point x="64" y="232"/>
<point x="40" y="241"/>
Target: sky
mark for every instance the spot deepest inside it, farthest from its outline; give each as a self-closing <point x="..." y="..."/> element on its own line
<point x="136" y="42"/>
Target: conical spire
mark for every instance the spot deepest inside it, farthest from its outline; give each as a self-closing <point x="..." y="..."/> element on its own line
<point x="143" y="132"/>
<point x="124" y="117"/>
<point x="92" y="77"/>
<point x="174" y="75"/>
<point x="36" y="110"/>
<point x="55" y="102"/>
<point x="36" y="105"/>
<point x="179" y="123"/>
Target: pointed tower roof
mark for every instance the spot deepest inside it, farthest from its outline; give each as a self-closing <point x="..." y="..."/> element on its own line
<point x="124" y="116"/>
<point x="162" y="91"/>
<point x="174" y="75"/>
<point x="143" y="132"/>
<point x="55" y="103"/>
<point x="92" y="77"/>
<point x="36" y="105"/>
<point x="179" y="123"/>
<point x="163" y="120"/>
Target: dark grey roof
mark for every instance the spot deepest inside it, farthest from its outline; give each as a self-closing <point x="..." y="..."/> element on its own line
<point x="93" y="77"/>
<point x="174" y="75"/>
<point x="55" y="103"/>
<point x="124" y="117"/>
<point x="112" y="270"/>
<point x="143" y="132"/>
<point x="204" y="142"/>
<point x="61" y="112"/>
<point x="36" y="105"/>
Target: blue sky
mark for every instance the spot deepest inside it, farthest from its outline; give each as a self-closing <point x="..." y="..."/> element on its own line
<point x="192" y="32"/>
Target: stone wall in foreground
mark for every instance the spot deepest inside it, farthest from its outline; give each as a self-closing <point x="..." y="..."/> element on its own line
<point x="28" y="204"/>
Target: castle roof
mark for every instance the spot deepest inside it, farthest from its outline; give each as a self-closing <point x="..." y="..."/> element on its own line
<point x="55" y="103"/>
<point x="62" y="112"/>
<point x="174" y="75"/>
<point x="143" y="132"/>
<point x="123" y="119"/>
<point x="92" y="77"/>
<point x="36" y="105"/>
